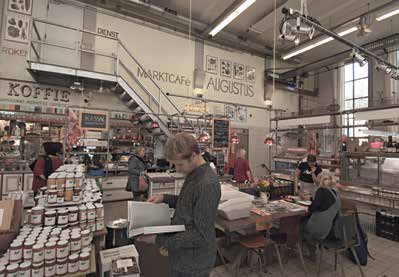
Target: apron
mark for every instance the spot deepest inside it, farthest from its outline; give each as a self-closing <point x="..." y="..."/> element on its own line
<point x="320" y="224"/>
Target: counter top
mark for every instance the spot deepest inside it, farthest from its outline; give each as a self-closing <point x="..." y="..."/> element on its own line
<point x="17" y="172"/>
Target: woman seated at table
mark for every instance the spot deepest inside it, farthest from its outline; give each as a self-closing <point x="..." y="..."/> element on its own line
<point x="324" y="208"/>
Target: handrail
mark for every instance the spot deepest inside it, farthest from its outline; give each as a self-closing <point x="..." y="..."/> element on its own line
<point x="119" y="42"/>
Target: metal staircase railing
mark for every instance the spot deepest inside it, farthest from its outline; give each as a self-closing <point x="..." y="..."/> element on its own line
<point x="48" y="47"/>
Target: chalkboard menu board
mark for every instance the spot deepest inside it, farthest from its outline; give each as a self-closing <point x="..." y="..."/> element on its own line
<point x="220" y="133"/>
<point x="94" y="120"/>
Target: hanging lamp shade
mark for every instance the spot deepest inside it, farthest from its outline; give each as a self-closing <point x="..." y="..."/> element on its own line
<point x="235" y="139"/>
<point x="269" y="141"/>
<point x="203" y="137"/>
<point x="154" y="125"/>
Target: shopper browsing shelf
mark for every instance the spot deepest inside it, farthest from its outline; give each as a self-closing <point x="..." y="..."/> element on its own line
<point x="136" y="169"/>
<point x="307" y="177"/>
<point x="192" y="252"/>
<point x="46" y="164"/>
<point x="242" y="172"/>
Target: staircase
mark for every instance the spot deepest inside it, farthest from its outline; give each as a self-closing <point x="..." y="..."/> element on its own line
<point x="116" y="67"/>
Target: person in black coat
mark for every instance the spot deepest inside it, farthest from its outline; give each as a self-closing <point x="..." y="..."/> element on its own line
<point x="136" y="167"/>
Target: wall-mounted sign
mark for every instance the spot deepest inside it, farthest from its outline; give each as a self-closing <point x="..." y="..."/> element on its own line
<point x="220" y="133"/>
<point x="165" y="77"/>
<point x="14" y="51"/>
<point x="27" y="90"/>
<point x="107" y="33"/>
<point x="196" y="108"/>
<point x="96" y="121"/>
<point x="17" y="28"/>
<point x="20" y="6"/>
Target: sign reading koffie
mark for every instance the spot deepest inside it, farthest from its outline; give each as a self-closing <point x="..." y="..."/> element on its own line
<point x="94" y="120"/>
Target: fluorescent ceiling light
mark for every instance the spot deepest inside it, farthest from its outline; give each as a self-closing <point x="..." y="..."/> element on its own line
<point x="388" y="15"/>
<point x="245" y="5"/>
<point x="318" y="43"/>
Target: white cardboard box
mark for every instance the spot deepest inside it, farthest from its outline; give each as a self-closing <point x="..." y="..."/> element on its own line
<point x="109" y="255"/>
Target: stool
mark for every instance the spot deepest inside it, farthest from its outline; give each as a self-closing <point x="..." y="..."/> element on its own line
<point x="257" y="245"/>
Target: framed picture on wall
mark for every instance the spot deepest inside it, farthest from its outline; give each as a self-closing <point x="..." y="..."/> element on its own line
<point x="229" y="111"/>
<point x="17" y="28"/>
<point x="20" y="6"/>
<point x="225" y="68"/>
<point x="212" y="64"/>
<point x="250" y="74"/>
<point x="239" y="71"/>
<point x="242" y="114"/>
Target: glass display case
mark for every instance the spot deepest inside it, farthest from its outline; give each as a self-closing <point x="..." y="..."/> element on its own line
<point x="371" y="169"/>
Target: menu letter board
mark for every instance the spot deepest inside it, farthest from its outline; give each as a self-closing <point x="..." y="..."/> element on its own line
<point x="94" y="120"/>
<point x="220" y="133"/>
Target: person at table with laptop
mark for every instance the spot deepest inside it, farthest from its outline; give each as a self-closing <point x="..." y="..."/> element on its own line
<point x="307" y="176"/>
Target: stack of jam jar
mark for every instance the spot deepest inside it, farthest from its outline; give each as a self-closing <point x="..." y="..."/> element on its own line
<point x="48" y="252"/>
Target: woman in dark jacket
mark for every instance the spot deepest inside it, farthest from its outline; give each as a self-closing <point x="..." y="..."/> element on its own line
<point x="46" y="164"/>
<point x="136" y="167"/>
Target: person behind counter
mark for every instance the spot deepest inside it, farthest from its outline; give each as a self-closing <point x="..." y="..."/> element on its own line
<point x="193" y="252"/>
<point x="136" y="167"/>
<point x="324" y="209"/>
<point x="307" y="177"/>
<point x="96" y="167"/>
<point x="46" y="164"/>
<point x="242" y="172"/>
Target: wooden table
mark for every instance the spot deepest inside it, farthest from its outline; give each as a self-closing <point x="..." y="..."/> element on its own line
<point x="289" y="224"/>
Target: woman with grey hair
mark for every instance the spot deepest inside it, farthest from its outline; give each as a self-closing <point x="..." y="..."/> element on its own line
<point x="324" y="208"/>
<point x="136" y="167"/>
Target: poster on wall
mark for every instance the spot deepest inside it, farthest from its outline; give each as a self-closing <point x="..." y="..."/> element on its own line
<point x="239" y="71"/>
<point x="211" y="64"/>
<point x="250" y="74"/>
<point x="17" y="28"/>
<point x="225" y="68"/>
<point x="20" y="6"/>
<point x="229" y="111"/>
<point x="242" y="114"/>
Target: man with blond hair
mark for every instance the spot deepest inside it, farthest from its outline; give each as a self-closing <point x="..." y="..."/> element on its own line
<point x="192" y="253"/>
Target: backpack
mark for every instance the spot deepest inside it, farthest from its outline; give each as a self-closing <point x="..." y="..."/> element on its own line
<point x="361" y="250"/>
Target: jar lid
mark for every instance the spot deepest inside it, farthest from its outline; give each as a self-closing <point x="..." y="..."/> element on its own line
<point x="50" y="263"/>
<point x="62" y="242"/>
<point x="29" y="242"/>
<point x="73" y="257"/>
<point x="38" y="246"/>
<point x="78" y="175"/>
<point x="2" y="268"/>
<point x="52" y="191"/>
<point x="73" y="209"/>
<point x="38" y="208"/>
<point x="50" y="213"/>
<point x="64" y="260"/>
<point x="38" y="265"/>
<point x="70" y="175"/>
<point x="84" y="255"/>
<point x="25" y="265"/>
<point x="82" y="207"/>
<point x="75" y="236"/>
<point x="62" y="211"/>
<point x="16" y="244"/>
<point x="51" y="244"/>
<point x="85" y="232"/>
<point x="99" y="205"/>
<point x="12" y="267"/>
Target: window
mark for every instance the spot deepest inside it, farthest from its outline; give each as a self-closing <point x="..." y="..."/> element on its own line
<point x="355" y="96"/>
